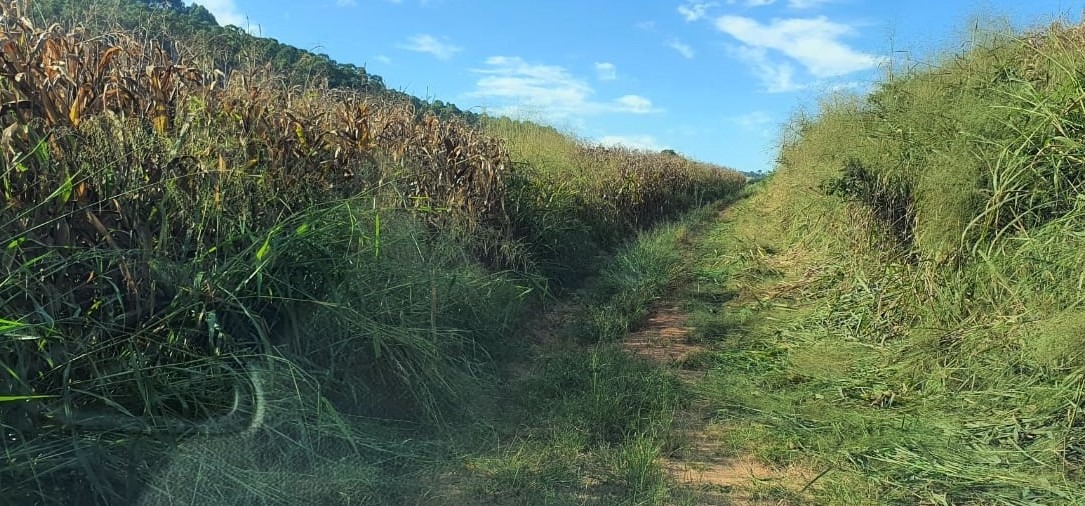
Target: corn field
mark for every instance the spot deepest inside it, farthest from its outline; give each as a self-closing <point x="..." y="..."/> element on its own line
<point x="158" y="216"/>
<point x="68" y="97"/>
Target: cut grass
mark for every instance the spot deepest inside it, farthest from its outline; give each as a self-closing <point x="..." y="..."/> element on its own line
<point x="811" y="376"/>
<point x="948" y="278"/>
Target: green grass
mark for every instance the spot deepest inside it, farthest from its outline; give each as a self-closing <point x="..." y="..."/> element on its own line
<point x="634" y="278"/>
<point x="948" y="275"/>
<point x="591" y="424"/>
<point x="403" y="332"/>
<point x="827" y="359"/>
<point x="584" y="421"/>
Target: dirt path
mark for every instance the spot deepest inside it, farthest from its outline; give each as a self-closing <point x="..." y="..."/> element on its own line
<point x="704" y="452"/>
<point x="703" y="461"/>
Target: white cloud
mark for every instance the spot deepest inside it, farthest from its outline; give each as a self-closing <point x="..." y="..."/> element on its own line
<point x="694" y="11"/>
<point x="642" y="142"/>
<point x="777" y="77"/>
<point x="225" y="12"/>
<point x="346" y="3"/>
<point x="519" y="88"/>
<point x="759" y="123"/>
<point x="383" y="59"/>
<point x="425" y="43"/>
<point x="549" y="87"/>
<point x="811" y="42"/>
<point x="806" y="4"/>
<point x="683" y="48"/>
<point x="635" y="104"/>
<point x="794" y="4"/>
<point x="606" y="71"/>
<point x="754" y="120"/>
<point x="853" y="86"/>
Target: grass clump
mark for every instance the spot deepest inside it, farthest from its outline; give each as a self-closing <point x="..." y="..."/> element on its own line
<point x="626" y="288"/>
<point x="607" y="395"/>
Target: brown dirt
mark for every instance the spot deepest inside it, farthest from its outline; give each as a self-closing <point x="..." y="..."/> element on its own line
<point x="664" y="339"/>
<point x="704" y="464"/>
<point x="717" y="475"/>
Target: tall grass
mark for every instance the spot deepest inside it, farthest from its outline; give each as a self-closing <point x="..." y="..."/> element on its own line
<point x="946" y="205"/>
<point x="570" y="197"/>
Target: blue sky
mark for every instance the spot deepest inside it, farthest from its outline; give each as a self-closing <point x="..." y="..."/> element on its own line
<point x="713" y="80"/>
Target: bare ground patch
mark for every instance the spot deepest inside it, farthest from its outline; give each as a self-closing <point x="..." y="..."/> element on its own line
<point x="664" y="338"/>
<point x="716" y="474"/>
<point x="704" y="464"/>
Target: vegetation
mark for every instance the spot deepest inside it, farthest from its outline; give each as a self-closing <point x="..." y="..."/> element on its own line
<point x="587" y="421"/>
<point x="910" y="323"/>
<point x="194" y="38"/>
<point x="894" y="316"/>
<point x="254" y="275"/>
<point x="183" y="230"/>
<point x="581" y="198"/>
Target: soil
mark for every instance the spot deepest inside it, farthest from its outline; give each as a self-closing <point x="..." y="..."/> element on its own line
<point x="703" y="462"/>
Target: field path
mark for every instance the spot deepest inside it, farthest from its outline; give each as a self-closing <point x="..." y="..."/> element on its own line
<point x="719" y="285"/>
<point x="704" y="461"/>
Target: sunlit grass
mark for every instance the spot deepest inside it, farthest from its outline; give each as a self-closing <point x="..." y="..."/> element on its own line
<point x="917" y="338"/>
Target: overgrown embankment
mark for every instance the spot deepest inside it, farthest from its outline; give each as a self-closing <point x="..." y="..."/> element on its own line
<point x="165" y="227"/>
<point x="923" y="245"/>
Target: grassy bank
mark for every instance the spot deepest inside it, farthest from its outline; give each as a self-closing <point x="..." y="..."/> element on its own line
<point x="906" y="312"/>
